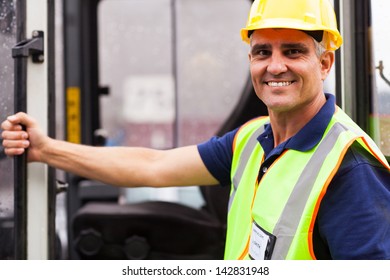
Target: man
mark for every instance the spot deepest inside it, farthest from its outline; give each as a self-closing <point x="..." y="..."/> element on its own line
<point x="307" y="183"/>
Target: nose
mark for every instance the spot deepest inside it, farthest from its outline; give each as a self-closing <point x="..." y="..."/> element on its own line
<point x="276" y="64"/>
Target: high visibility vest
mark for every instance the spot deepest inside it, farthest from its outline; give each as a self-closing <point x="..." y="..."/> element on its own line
<point x="282" y="208"/>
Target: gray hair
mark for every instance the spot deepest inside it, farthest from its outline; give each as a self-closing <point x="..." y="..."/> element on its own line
<point x="320" y="49"/>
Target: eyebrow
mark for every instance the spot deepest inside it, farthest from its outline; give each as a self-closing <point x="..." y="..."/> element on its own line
<point x="258" y="47"/>
<point x="294" y="46"/>
<point x="267" y="46"/>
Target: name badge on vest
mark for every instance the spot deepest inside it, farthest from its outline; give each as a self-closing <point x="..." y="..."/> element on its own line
<point x="261" y="244"/>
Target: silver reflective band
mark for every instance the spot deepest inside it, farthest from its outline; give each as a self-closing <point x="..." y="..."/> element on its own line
<point x="246" y="153"/>
<point x="288" y="222"/>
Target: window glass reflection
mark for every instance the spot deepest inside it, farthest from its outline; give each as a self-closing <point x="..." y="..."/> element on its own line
<point x="381" y="43"/>
<point x="175" y="70"/>
<point x="7" y="41"/>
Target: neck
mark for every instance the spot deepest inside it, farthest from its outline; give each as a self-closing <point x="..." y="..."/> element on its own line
<point x="286" y="124"/>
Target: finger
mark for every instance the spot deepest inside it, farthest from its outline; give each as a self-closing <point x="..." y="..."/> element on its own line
<point x="11" y="144"/>
<point x="7" y="125"/>
<point x="22" y="118"/>
<point x="14" y="151"/>
<point x="13" y="119"/>
<point x="14" y="135"/>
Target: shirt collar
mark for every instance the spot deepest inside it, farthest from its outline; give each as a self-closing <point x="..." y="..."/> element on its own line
<point x="308" y="137"/>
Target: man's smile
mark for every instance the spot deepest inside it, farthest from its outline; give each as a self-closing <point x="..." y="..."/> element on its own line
<point x="279" y="84"/>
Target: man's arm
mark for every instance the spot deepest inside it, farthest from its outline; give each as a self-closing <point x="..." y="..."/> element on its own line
<point x="121" y="166"/>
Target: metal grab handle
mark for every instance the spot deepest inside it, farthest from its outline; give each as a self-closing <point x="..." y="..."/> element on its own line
<point x="21" y="52"/>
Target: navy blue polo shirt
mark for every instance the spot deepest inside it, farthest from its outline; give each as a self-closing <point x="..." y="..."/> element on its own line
<point x="353" y="220"/>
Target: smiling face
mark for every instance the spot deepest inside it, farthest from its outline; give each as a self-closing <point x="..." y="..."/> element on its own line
<point x="287" y="74"/>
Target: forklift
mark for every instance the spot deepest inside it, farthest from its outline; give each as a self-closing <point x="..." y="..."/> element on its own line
<point x="158" y="74"/>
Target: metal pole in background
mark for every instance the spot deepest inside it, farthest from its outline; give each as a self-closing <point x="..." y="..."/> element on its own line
<point x="176" y="124"/>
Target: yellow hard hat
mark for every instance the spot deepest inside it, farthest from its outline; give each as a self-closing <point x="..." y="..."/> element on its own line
<point x="307" y="15"/>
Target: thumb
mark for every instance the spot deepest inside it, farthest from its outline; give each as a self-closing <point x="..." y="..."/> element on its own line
<point x="23" y="119"/>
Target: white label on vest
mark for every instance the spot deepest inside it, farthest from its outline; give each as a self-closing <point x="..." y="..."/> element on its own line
<point x="261" y="243"/>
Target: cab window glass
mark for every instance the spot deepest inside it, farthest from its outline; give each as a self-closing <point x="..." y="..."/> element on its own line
<point x="175" y="70"/>
<point x="212" y="64"/>
<point x="381" y="43"/>
<point x="7" y="41"/>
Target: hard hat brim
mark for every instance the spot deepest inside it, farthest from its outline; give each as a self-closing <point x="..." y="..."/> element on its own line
<point x="334" y="40"/>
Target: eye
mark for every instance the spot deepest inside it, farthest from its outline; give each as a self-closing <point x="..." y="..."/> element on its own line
<point x="264" y="52"/>
<point x="293" y="52"/>
<point x="261" y="52"/>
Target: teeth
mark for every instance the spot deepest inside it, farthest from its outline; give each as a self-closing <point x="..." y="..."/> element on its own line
<point x="279" y="84"/>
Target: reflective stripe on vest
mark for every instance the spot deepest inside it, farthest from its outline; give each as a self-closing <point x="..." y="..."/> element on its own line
<point x="296" y="203"/>
<point x="248" y="149"/>
<point x="300" y="200"/>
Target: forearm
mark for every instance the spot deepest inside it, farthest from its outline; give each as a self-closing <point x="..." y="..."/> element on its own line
<point x="112" y="165"/>
<point x="127" y="166"/>
<point x="121" y="166"/>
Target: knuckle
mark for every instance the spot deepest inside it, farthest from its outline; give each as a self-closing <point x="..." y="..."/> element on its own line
<point x="7" y="144"/>
<point x="4" y="125"/>
<point x="13" y="151"/>
<point x="5" y="135"/>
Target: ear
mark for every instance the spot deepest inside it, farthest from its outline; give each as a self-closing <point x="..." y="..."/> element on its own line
<point x="326" y="60"/>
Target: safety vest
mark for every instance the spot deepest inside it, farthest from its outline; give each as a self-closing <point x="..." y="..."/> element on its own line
<point x="274" y="218"/>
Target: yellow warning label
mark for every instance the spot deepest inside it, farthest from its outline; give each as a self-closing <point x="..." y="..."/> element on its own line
<point x="73" y="112"/>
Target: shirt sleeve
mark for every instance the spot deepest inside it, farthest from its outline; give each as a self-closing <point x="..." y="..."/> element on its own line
<point x="217" y="155"/>
<point x="354" y="216"/>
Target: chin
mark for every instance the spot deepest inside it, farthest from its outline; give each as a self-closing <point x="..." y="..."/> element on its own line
<point x="278" y="104"/>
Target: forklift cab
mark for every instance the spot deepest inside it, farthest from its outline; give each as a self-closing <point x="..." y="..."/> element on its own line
<point x="163" y="74"/>
<point x="159" y="74"/>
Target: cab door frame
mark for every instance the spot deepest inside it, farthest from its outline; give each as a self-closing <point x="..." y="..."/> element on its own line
<point x="35" y="193"/>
